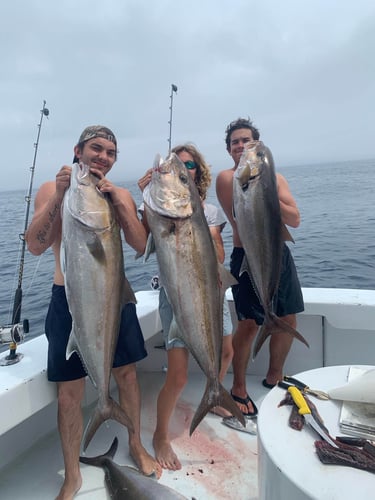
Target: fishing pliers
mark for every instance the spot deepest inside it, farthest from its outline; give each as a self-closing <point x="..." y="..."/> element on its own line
<point x="290" y="381"/>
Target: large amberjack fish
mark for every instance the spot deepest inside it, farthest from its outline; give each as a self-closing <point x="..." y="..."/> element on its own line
<point x="256" y="209"/>
<point x="126" y="483"/>
<point x="96" y="287"/>
<point x="194" y="281"/>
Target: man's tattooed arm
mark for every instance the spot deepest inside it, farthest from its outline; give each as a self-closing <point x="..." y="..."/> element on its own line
<point x="45" y="227"/>
<point x="44" y="232"/>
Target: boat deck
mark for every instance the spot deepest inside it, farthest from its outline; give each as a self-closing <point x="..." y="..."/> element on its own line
<point x="217" y="462"/>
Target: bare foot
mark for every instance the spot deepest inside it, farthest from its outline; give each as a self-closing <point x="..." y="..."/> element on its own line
<point x="220" y="411"/>
<point x="165" y="455"/>
<point x="69" y="489"/>
<point x="145" y="462"/>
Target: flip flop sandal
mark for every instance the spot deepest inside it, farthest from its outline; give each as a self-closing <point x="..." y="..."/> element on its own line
<point x="266" y="384"/>
<point x="245" y="401"/>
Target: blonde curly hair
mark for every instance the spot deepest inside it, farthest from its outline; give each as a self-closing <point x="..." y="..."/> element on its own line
<point x="203" y="176"/>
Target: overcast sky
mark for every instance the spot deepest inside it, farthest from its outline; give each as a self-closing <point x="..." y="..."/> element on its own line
<point x="303" y="70"/>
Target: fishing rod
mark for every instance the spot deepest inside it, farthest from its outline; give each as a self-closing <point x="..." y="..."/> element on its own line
<point x="173" y="89"/>
<point x="155" y="279"/>
<point x="14" y="333"/>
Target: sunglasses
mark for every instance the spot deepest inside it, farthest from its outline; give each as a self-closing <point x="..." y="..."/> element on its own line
<point x="190" y="165"/>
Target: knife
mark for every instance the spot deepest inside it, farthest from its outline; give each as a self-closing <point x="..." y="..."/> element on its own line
<point x="305" y="388"/>
<point x="304" y="410"/>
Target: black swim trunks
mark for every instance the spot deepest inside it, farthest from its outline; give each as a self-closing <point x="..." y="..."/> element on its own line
<point x="288" y="300"/>
<point x="130" y="345"/>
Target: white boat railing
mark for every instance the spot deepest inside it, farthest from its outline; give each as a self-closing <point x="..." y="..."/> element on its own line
<point x="338" y="324"/>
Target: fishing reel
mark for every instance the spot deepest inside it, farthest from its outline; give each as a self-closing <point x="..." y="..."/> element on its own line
<point x="155" y="283"/>
<point x="14" y="333"/>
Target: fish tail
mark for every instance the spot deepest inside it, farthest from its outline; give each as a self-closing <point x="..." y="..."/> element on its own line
<point x="98" y="460"/>
<point x="111" y="410"/>
<point x="281" y="326"/>
<point x="119" y="415"/>
<point x="215" y="395"/>
<point x="226" y="401"/>
<point x="271" y="326"/>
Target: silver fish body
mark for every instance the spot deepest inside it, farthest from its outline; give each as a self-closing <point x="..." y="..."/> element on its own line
<point x="191" y="275"/>
<point x="256" y="209"/>
<point x="126" y="483"/>
<point x="96" y="287"/>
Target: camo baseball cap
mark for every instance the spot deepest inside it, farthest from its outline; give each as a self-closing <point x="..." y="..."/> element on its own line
<point x="96" y="131"/>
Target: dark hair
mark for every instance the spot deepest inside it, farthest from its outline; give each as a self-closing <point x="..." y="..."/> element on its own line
<point x="237" y="124"/>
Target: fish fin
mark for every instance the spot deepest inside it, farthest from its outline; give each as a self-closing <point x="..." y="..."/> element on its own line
<point x="260" y="339"/>
<point x="215" y="395"/>
<point x="150" y="247"/>
<point x="112" y="410"/>
<point x="273" y="325"/>
<point x="244" y="266"/>
<point x="96" y="248"/>
<point x="72" y="345"/>
<point x="98" y="460"/>
<point x="285" y="234"/>
<point x="173" y="331"/>
<point x="63" y="258"/>
<point x="158" y="160"/>
<point x="128" y="293"/>
<point x="226" y="278"/>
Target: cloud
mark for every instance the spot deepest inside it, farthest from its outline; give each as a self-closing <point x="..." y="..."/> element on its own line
<point x="303" y="71"/>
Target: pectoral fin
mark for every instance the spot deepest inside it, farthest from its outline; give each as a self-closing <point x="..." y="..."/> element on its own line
<point x="150" y="247"/>
<point x="95" y="247"/>
<point x="285" y="234"/>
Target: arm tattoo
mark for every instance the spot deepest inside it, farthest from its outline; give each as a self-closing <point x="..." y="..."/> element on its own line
<point x="41" y="236"/>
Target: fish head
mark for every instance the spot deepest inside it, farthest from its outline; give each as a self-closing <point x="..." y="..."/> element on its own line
<point x="169" y="192"/>
<point x="84" y="200"/>
<point x="254" y="159"/>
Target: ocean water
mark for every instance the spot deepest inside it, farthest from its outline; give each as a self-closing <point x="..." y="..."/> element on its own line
<point x="334" y="245"/>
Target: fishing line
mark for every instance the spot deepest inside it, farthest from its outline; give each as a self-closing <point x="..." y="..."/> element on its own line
<point x="15" y="279"/>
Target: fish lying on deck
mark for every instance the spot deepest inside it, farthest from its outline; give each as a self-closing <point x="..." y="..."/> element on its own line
<point x="126" y="483"/>
<point x="256" y="208"/>
<point x="194" y="280"/>
<point x="96" y="287"/>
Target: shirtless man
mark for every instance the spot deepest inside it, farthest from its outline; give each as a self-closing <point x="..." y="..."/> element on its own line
<point x="249" y="311"/>
<point x="97" y="147"/>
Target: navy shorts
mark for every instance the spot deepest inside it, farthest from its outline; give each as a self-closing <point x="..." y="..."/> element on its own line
<point x="288" y="299"/>
<point x="130" y="345"/>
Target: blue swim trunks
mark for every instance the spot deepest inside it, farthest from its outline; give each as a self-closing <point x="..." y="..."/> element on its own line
<point x="130" y="345"/>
